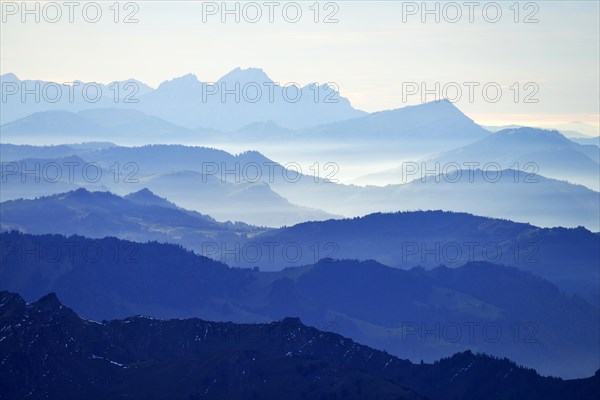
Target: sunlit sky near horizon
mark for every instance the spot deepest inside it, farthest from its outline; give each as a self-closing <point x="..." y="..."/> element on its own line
<point x="371" y="54"/>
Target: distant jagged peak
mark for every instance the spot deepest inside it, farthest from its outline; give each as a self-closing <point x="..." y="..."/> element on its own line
<point x="187" y="77"/>
<point x="268" y="126"/>
<point x="10" y="300"/>
<point x="181" y="81"/>
<point x="143" y="193"/>
<point x="86" y="194"/>
<point x="245" y="75"/>
<point x="435" y="108"/>
<point x="9" y="77"/>
<point x="12" y="304"/>
<point x="290" y="321"/>
<point x="147" y="197"/>
<point x="439" y="103"/>
<point x="140" y="86"/>
<point x="253" y="156"/>
<point x="49" y="301"/>
<point x="442" y="105"/>
<point x="531" y="132"/>
<point x="81" y="192"/>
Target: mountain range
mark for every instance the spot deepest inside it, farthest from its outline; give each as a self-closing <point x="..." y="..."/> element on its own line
<point x="111" y="124"/>
<point x="425" y="124"/>
<point x="428" y="135"/>
<point x="140" y="216"/>
<point x="572" y="130"/>
<point x="543" y="152"/>
<point x="250" y="187"/>
<point x="140" y="357"/>
<point x="186" y="110"/>
<point x="567" y="257"/>
<point x="125" y="170"/>
<point x="408" y="253"/>
<point x="546" y="153"/>
<point x="417" y="313"/>
<point x="185" y="101"/>
<point x="510" y="194"/>
<point x="408" y="132"/>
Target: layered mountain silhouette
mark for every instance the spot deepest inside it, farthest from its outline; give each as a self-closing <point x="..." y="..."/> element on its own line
<point x="424" y="124"/>
<point x="10" y="152"/>
<point x="414" y="133"/>
<point x="66" y="96"/>
<point x="511" y="194"/>
<point x="125" y="170"/>
<point x="192" y="104"/>
<point x="417" y="314"/>
<point x="176" y="116"/>
<point x="194" y="358"/>
<point x="186" y="110"/>
<point x="462" y="263"/>
<point x="588" y="141"/>
<point x="183" y="106"/>
<point x="411" y="131"/>
<point x="544" y="152"/>
<point x="34" y="177"/>
<point x="140" y="216"/>
<point x="251" y="188"/>
<point x="44" y="125"/>
<point x="112" y="124"/>
<point x="251" y="202"/>
<point x="567" y="130"/>
<point x="567" y="257"/>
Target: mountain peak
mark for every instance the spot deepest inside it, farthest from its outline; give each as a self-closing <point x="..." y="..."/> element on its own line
<point x="245" y="75"/>
<point x="9" y="77"/>
<point x="145" y="192"/>
<point x="291" y="321"/>
<point x="52" y="305"/>
<point x="10" y="300"/>
<point x="141" y="87"/>
<point x="187" y="77"/>
<point x="249" y="156"/>
<point x="84" y="194"/>
<point x="78" y="193"/>
<point x="180" y="82"/>
<point x="425" y="111"/>
<point x="532" y="133"/>
<point x="442" y="103"/>
<point x="49" y="302"/>
<point x="527" y="129"/>
<point x="146" y="197"/>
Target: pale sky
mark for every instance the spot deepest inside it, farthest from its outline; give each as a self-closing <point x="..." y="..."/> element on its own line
<point x="371" y="53"/>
